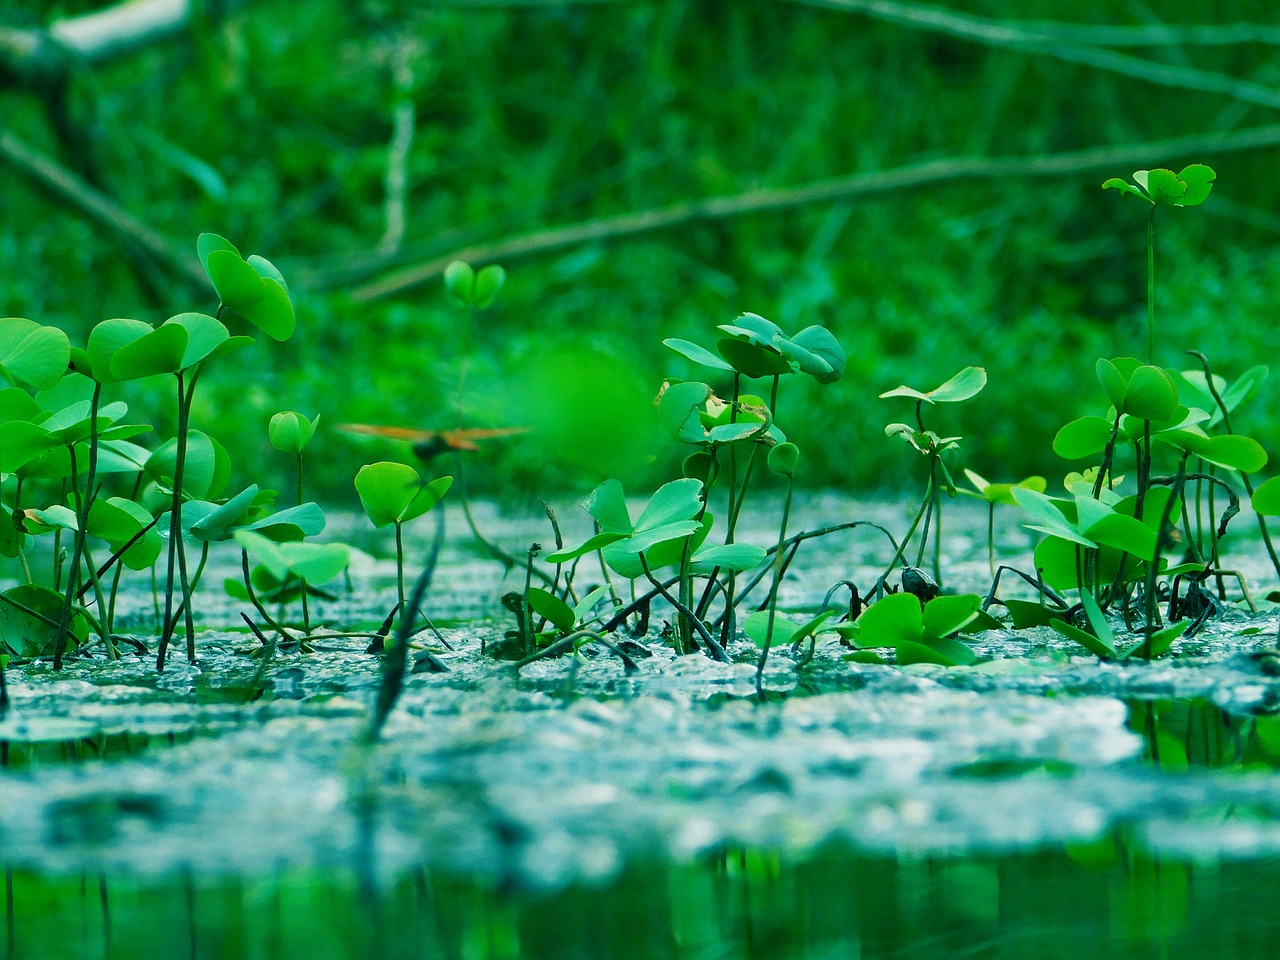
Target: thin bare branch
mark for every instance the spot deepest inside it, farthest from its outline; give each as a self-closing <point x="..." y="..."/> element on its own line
<point x="97" y="207"/>
<point x="824" y="191"/>
<point x="1014" y="35"/>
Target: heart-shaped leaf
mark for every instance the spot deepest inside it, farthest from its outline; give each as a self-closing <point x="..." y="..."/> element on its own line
<point x="33" y="353"/>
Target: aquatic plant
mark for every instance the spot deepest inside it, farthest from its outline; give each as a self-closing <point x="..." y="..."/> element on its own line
<point x="963" y="386"/>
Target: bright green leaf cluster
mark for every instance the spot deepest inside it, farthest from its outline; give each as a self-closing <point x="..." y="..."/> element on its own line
<point x="1160" y="187"/>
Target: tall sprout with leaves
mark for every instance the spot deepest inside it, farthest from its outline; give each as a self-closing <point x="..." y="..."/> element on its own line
<point x="1163" y="188"/>
<point x="256" y="290"/>
<point x="753" y="348"/>
<point x="964" y="385"/>
<point x="392" y="494"/>
<point x="783" y="460"/>
<point x="290" y="432"/>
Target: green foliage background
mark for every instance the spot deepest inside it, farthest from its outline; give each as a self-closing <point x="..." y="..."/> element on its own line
<point x="270" y="125"/>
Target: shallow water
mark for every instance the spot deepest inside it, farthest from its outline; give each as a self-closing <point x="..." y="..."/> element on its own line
<point x="1023" y="807"/>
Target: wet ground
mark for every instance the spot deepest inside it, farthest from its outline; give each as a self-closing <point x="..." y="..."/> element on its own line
<point x="569" y="774"/>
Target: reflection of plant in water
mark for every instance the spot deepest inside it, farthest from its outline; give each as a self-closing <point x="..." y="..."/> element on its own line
<point x="1196" y="732"/>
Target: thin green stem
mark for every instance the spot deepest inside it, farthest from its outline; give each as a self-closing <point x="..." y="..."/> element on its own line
<point x="175" y="522"/>
<point x="83" y="503"/>
<point x="773" y="590"/>
<point x="400" y="594"/>
<point x="1151" y="285"/>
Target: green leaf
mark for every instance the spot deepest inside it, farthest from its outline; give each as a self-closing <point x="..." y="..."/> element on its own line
<point x="1028" y="613"/>
<point x="394" y="493"/>
<point x="943" y="616"/>
<point x="756" y="628"/>
<point x="290" y="432"/>
<point x="291" y="523"/>
<point x="117" y="521"/>
<point x="489" y="282"/>
<point x="33" y="353"/>
<point x="608" y="504"/>
<point x="386" y="489"/>
<point x="1112" y="381"/>
<point x="1125" y="534"/>
<point x="313" y="562"/>
<point x="730" y="556"/>
<point x="965" y="384"/>
<point x="29" y="635"/>
<point x="1115" y="183"/>
<point x="459" y="282"/>
<point x="1086" y="640"/>
<point x="552" y="608"/>
<point x="599" y="541"/>
<point x="650" y="536"/>
<point x="1083" y="438"/>
<point x="205" y="334"/>
<point x="754" y="328"/>
<point x="1048" y="517"/>
<point x="783" y="459"/>
<point x="426" y="498"/>
<point x="1002" y="493"/>
<point x="1197" y="180"/>
<point x="891" y="622"/>
<point x="822" y="343"/>
<point x="1266" y="498"/>
<point x="737" y="432"/>
<point x="1097" y="620"/>
<point x="1161" y="641"/>
<point x="1234" y="451"/>
<point x="1150" y="394"/>
<point x="677" y="500"/>
<point x="1163" y="186"/>
<point x="699" y="355"/>
<point x="753" y="360"/>
<point x="21" y="443"/>
<point x="237" y="284"/>
<point x="207" y="243"/>
<point x="205" y="473"/>
<point x="678" y="410"/>
<point x="273" y="313"/>
<point x="219" y="524"/>
<point x="1245" y="387"/>
<point x="158" y="351"/>
<point x="266" y="269"/>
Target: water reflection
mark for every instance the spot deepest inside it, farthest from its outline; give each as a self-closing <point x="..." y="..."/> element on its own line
<point x="1189" y="733"/>
<point x="1102" y="900"/>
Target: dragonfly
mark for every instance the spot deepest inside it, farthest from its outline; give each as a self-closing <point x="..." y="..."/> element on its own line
<point x="428" y="444"/>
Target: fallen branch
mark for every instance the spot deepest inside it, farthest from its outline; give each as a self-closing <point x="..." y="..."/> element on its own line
<point x="97" y="207"/>
<point x="1012" y="34"/>
<point x="823" y="191"/>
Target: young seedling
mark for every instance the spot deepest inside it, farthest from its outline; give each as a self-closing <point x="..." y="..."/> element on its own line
<point x="783" y="460"/>
<point x="964" y="385"/>
<point x="658" y="538"/>
<point x="993" y="494"/>
<point x="393" y="494"/>
<point x="290" y="433"/>
<point x="919" y="633"/>
<point x="1163" y="188"/>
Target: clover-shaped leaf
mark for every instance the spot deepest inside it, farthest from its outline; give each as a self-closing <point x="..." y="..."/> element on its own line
<point x="290" y="431"/>
<point x="313" y="562"/>
<point x="394" y="492"/>
<point x="1161" y="187"/>
<point x="471" y="289"/>
<point x="253" y="288"/>
<point x="32" y="353"/>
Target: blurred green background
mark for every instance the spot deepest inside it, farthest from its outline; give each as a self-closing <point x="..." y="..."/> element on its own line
<point x="277" y="123"/>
